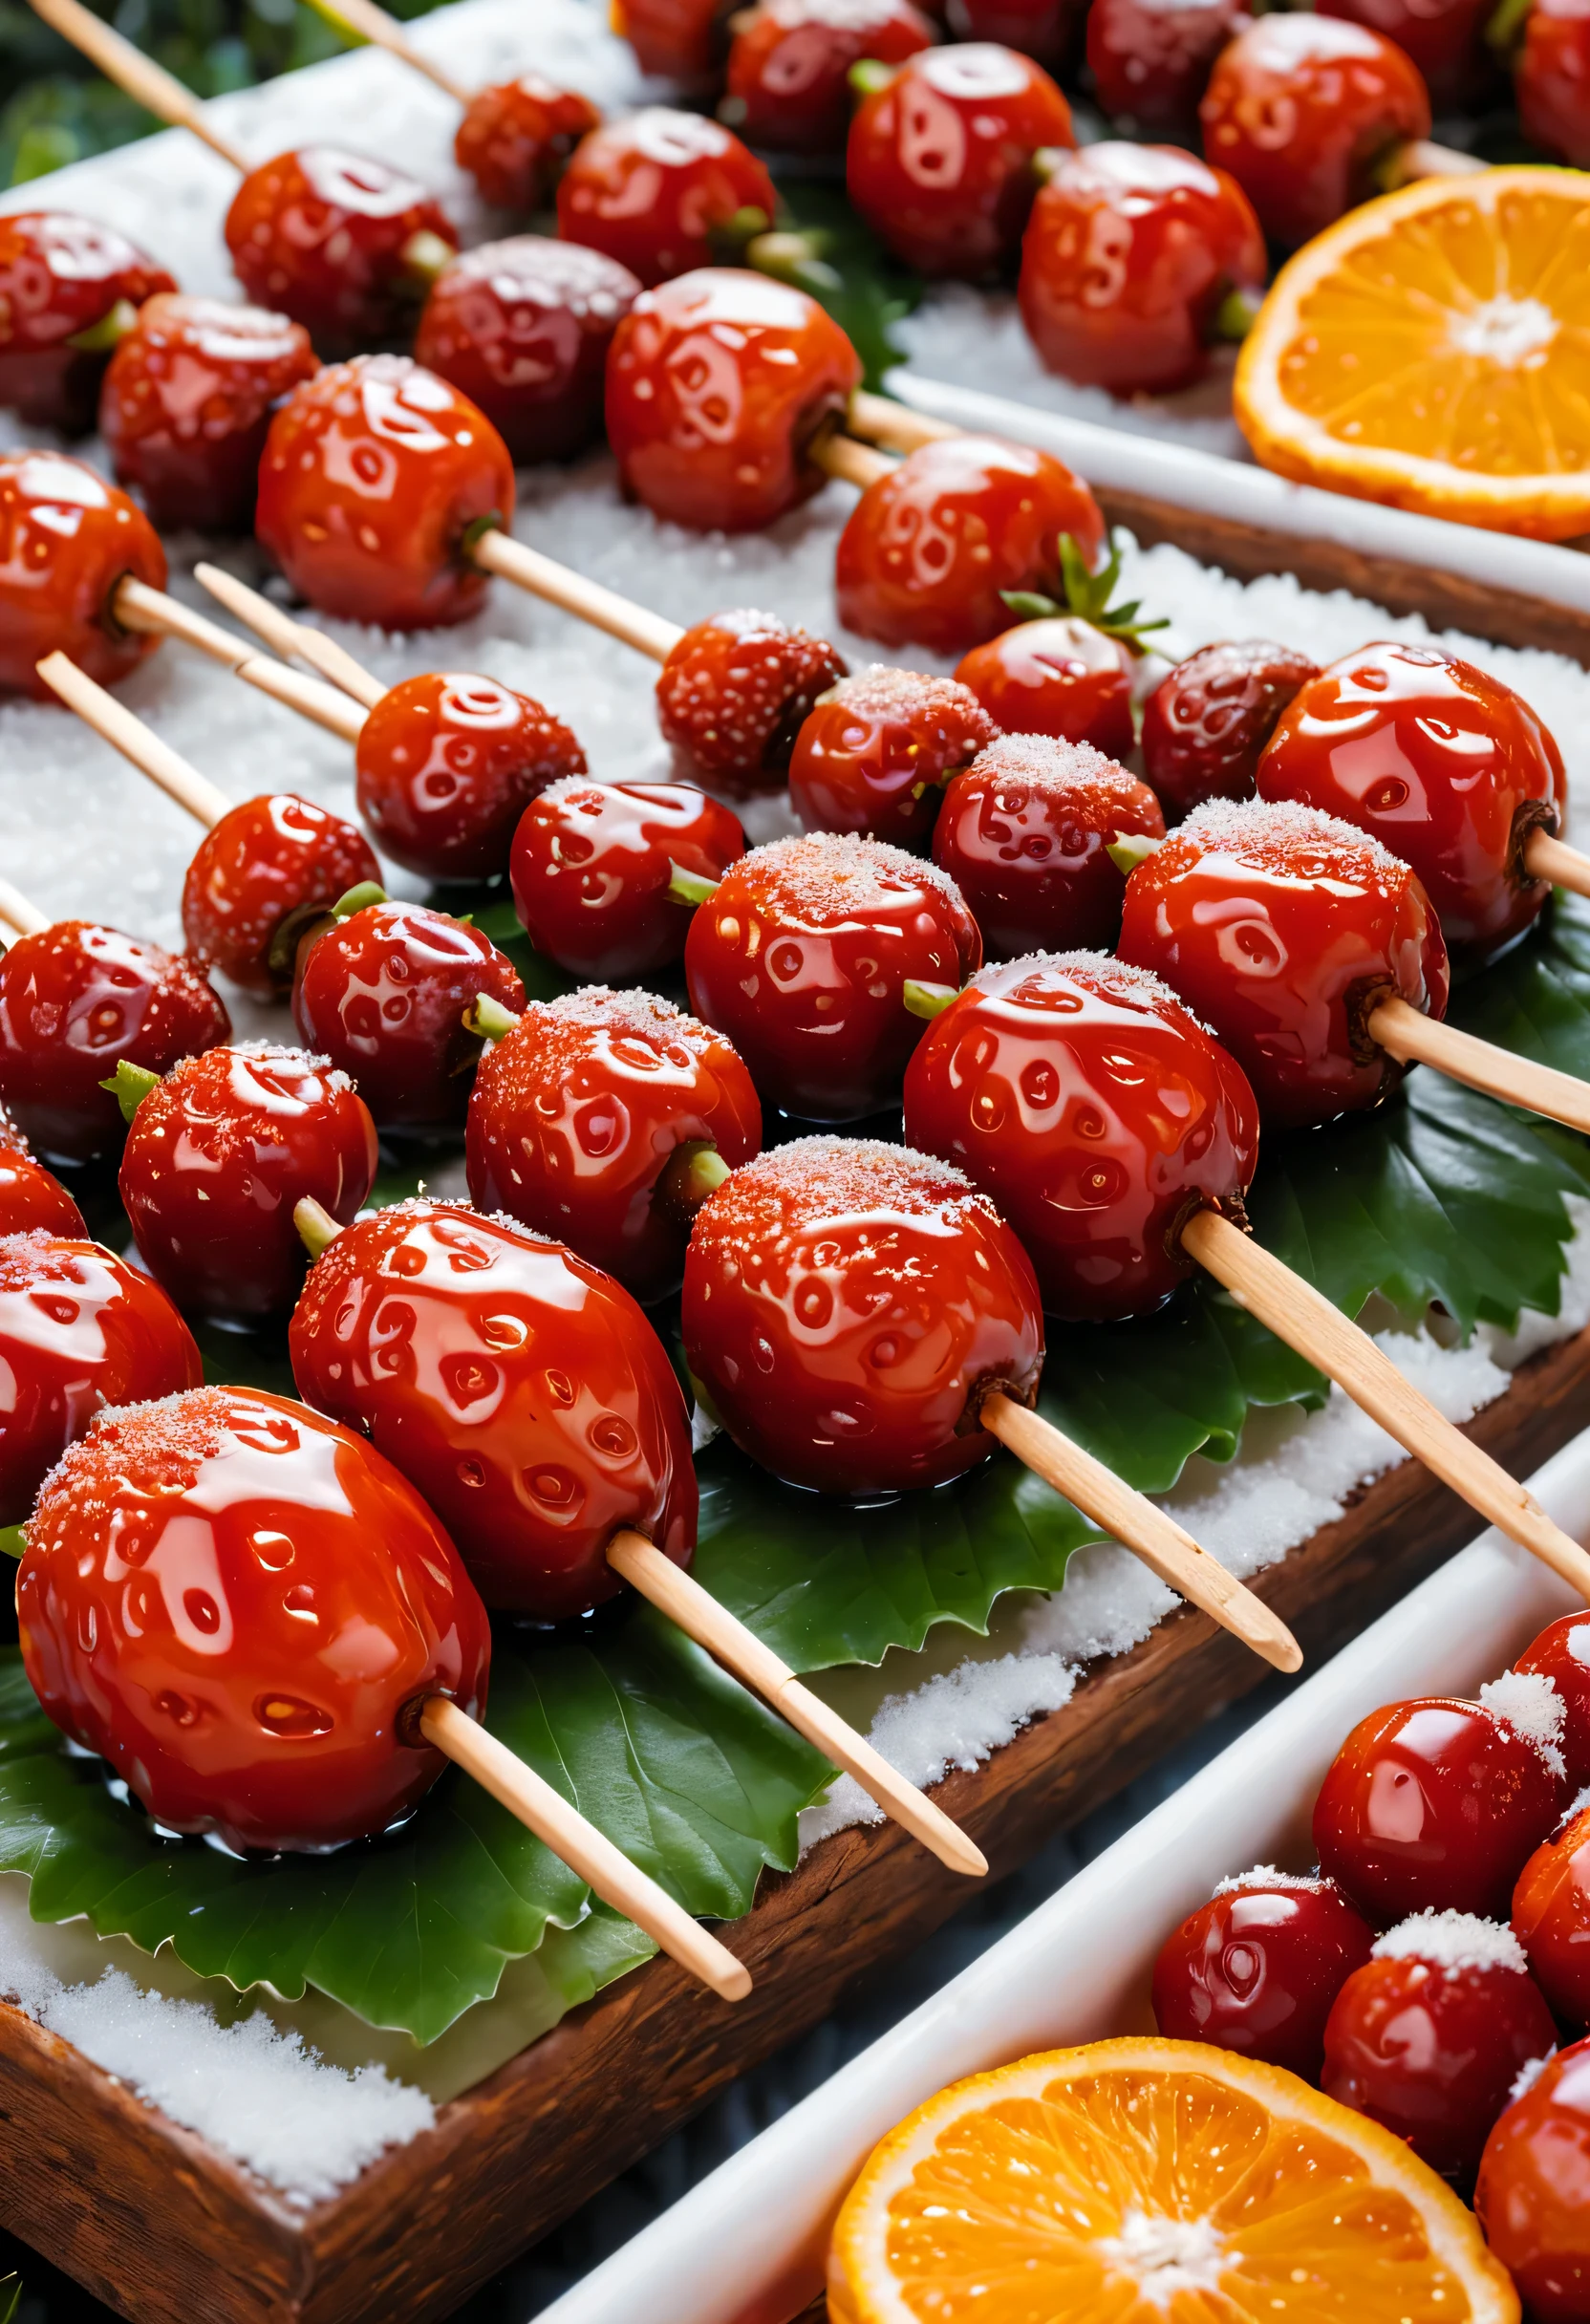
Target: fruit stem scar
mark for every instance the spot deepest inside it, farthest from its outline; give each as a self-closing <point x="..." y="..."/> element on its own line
<point x="488" y="1018"/>
<point x="689" y="887"/>
<point x="1125" y="854"/>
<point x="109" y="332"/>
<point x="927" y="1000"/>
<point x="368" y="891"/>
<point x="426" y="256"/>
<point x="1235" y="315"/>
<point x="317" y="1229"/>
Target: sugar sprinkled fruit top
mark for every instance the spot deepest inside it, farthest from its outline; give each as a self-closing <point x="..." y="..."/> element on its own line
<point x="1452" y="1941"/>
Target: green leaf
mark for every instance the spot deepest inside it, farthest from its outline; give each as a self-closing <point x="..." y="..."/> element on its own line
<point x="871" y="290"/>
<point x="497" y="920"/>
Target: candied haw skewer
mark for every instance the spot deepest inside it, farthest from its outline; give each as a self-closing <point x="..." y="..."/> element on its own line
<point x="446" y="763"/>
<point x="67" y="540"/>
<point x="1258" y="1968"/>
<point x="652" y="190"/>
<point x="1533" y="2197"/>
<point x="33" y="1200"/>
<point x="1206" y="724"/>
<point x="1561" y="1653"/>
<point x="1152" y="60"/>
<point x="790" y="61"/>
<point x="604" y="874"/>
<point x="1446" y="39"/>
<point x="734" y="694"/>
<point x="1551" y="77"/>
<point x="516" y="137"/>
<point x="68" y="288"/>
<point x="876" y="749"/>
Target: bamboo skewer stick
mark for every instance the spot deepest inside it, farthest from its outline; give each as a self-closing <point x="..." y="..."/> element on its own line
<point x="17" y="913"/>
<point x="498" y="552"/>
<point x="1553" y="859"/>
<point x="1412" y="1037"/>
<point x="134" y="606"/>
<point x="383" y="31"/>
<point x="880" y="419"/>
<point x="138" y="74"/>
<point x="327" y="705"/>
<point x="135" y="741"/>
<point x="289" y="638"/>
<point x="855" y="464"/>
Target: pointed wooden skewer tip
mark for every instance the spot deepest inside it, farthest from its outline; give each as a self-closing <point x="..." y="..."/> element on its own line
<point x="117" y="725"/>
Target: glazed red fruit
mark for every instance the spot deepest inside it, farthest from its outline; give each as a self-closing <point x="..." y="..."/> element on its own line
<point x="846" y="1306"/>
<point x="579" y="1113"/>
<point x="1206" y="726"/>
<point x="60" y="276"/>
<point x="446" y="763"/>
<point x="1433" y="1804"/>
<point x="241" y="1606"/>
<point x="218" y="1154"/>
<point x="257" y="880"/>
<point x="734" y="694"/>
<point x="1059" y="676"/>
<point x="516" y="137"/>
<point x="1128" y="254"/>
<point x="801" y="958"/>
<point x="1025" y="833"/>
<point x="591" y="866"/>
<point x="679" y="40"/>
<point x="523" y="1392"/>
<point x="1257" y="1968"/>
<point x="1043" y="29"/>
<point x="1301" y="110"/>
<point x="1085" y="1101"/>
<point x="876" y="750"/>
<point x="1561" y="1653"/>
<point x="1443" y="765"/>
<point x="383" y="994"/>
<point x="79" y="1330"/>
<point x="1551" y="1915"/>
<point x="374" y="474"/>
<point x="788" y="80"/>
<point x="1151" y="59"/>
<point x="33" y="1200"/>
<point x="1552" y="79"/>
<point x="186" y="406"/>
<point x="67" y="538"/>
<point x="651" y="191"/>
<point x="939" y="162"/>
<point x="931" y="550"/>
<point x="324" y="236"/>
<point x="1444" y="38"/>
<point x="1533" y="2199"/>
<point x="717" y="384"/>
<point x="75" y="1001"/>
<point x="1283" y="929"/>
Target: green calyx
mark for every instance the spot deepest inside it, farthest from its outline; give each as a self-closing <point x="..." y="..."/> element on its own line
<point x="728" y="238"/>
<point x="424" y="256"/>
<point x="13" y="1540"/>
<point x="689" y="1176"/>
<point x="317" y="1229"/>
<point x="927" y="1000"/>
<point x="488" y="1018"/>
<point x="1125" y="854"/>
<point x="689" y="887"/>
<point x="475" y="532"/>
<point x="870" y="75"/>
<point x="1087" y="597"/>
<point x="793" y="257"/>
<point x="105" y="337"/>
<point x="1237" y="314"/>
<point x="358" y="899"/>
<point x="1502" y="31"/>
<point x="130" y="1084"/>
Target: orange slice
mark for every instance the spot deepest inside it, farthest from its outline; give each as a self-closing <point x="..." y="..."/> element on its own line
<point x="1432" y="349"/>
<point x="1154" y="2183"/>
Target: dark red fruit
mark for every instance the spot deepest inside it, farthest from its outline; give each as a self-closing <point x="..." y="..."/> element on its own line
<point x="592" y="868"/>
<point x="326" y="237"/>
<point x="1551" y="1915"/>
<point x="1205" y="726"/>
<point x="650" y="190"/>
<point x="1444" y="38"/>
<point x="446" y="763"/>
<point x="1257" y="1968"/>
<point x="788" y="81"/>
<point x="1561" y="1653"/>
<point x="1151" y="59"/>
<point x="256" y="882"/>
<point x="1533" y="2199"/>
<point x="1552" y="79"/>
<point x="876" y="750"/>
<point x="523" y="1392"/>
<point x="32" y="1201"/>
<point x="735" y="693"/>
<point x="62" y="276"/>
<point x="1043" y="29"/>
<point x="1059" y="676"/>
<point x="67" y="539"/>
<point x="516" y="137"/>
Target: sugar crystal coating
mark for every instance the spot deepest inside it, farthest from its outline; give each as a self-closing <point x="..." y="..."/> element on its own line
<point x="1453" y="1941"/>
<point x="1529" y="1703"/>
<point x="1267" y="1876"/>
<point x="1277" y="830"/>
<point x="1055" y="767"/>
<point x="826" y="878"/>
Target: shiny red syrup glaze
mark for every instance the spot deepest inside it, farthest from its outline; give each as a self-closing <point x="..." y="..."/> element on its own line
<point x="1551" y="1916"/>
<point x="75" y="1001"/>
<point x="652" y="190"/>
<point x="383" y="994"/>
<point x="523" y="327"/>
<point x="60" y="275"/>
<point x="241" y="1606"/>
<point x="1045" y="29"/>
<point x="717" y="384"/>
<point x="33" y="1200"/>
<point x="445" y="767"/>
<point x="579" y="1112"/>
<point x="931" y="550"/>
<point x="218" y="1154"/>
<point x="67" y="538"/>
<point x="1552" y="79"/>
<point x="1058" y="676"/>
<point x="374" y="473"/>
<point x="322" y="235"/>
<point x="1433" y="1804"/>
<point x="679" y="40"/>
<point x="1533" y="2198"/>
<point x="79" y="1330"/>
<point x="1152" y="60"/>
<point x="876" y="750"/>
<point x="1300" y="109"/>
<point x="1561" y="1653"/>
<point x="591" y="866"/>
<point x="846" y="1304"/>
<point x="801" y="958"/>
<point x="516" y="137"/>
<point x="1444" y="38"/>
<point x="256" y="880"/>
<point x="940" y="161"/>
<point x="1024" y="833"/>
<point x="1442" y="764"/>
<point x="1128" y="255"/>
<point x="1206" y="724"/>
<point x="1257" y="1968"/>
<point x="186" y="406"/>
<point x="1082" y="1098"/>
<point x="1283" y="929"/>
<point x="523" y="1391"/>
<point x="788" y="75"/>
<point x="734" y="695"/>
<point x="1429" y="2036"/>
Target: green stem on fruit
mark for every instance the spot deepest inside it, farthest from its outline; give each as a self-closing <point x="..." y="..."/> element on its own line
<point x="1237" y="314"/>
<point x="488" y="1018"/>
<point x="358" y="899"/>
<point x="1125" y="854"/>
<point x="130" y="1084"/>
<point x="691" y="1174"/>
<point x="13" y="1540"/>
<point x="689" y="887"/>
<point x="317" y="1229"/>
<point x="869" y="75"/>
<point x="794" y="258"/>
<point x="1504" y="27"/>
<point x="1047" y="159"/>
<point x="105" y="337"/>
<point x="927" y="1000"/>
<point x="729" y="238"/>
<point x="426" y="256"/>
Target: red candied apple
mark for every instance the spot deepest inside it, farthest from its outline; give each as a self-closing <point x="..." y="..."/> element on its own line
<point x="1284" y="929"/>
<point x="1026" y="834"/>
<point x="523" y="327"/>
<point x="1128" y="257"/>
<point x="1206" y="724"/>
<point x="261" y="1689"/>
<point x="933" y="548"/>
<point x="652" y="190"/>
<point x="1059" y="676"/>
<point x="1301" y="110"/>
<point x="1444" y="38"/>
<point x="678" y="40"/>
<point x="1533" y="2198"/>
<point x="734" y="694"/>
<point x="802" y="957"/>
<point x="186" y="406"/>
<point x="383" y="993"/>
<point x="594" y="873"/>
<point x="1561" y="1653"/>
<point x="1151" y="59"/>
<point x="1257" y="1968"/>
<point x="374" y="473"/>
<point x="788" y="76"/>
<point x="218" y="1153"/>
<point x="717" y="386"/>
<point x="846" y="1306"/>
<point x="342" y="244"/>
<point x="876" y="750"/>
<point x="523" y="1392"/>
<point x="75" y="1001"/>
<point x="33" y="1200"/>
<point x="256" y="882"/>
<point x="1552" y="79"/>
<point x="585" y="1119"/>
<point x="1041" y="28"/>
<point x="67" y="539"/>
<point x="1443" y="765"/>
<point x="68" y="289"/>
<point x="940" y="159"/>
<point x="1081" y="1097"/>
<point x="1551" y="1916"/>
<point x="516" y="137"/>
<point x="446" y="763"/>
